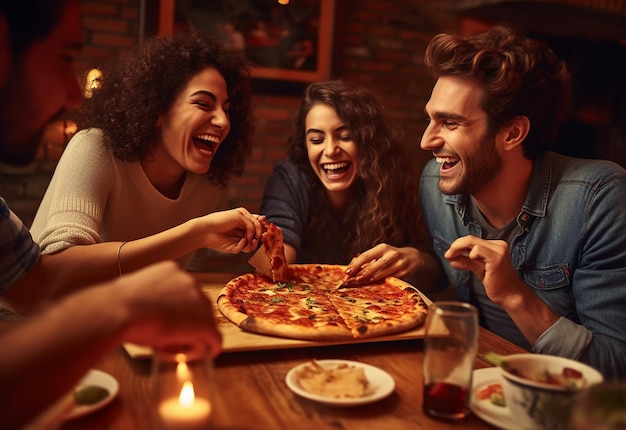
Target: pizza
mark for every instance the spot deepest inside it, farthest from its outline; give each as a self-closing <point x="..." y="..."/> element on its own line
<point x="312" y="304"/>
<point x="270" y="258"/>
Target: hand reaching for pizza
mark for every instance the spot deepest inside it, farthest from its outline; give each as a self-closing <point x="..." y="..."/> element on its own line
<point x="384" y="260"/>
<point x="233" y="231"/>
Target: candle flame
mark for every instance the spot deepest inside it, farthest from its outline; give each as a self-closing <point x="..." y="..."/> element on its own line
<point x="187" y="396"/>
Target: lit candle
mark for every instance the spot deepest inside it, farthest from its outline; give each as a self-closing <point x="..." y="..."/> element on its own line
<point x="185" y="412"/>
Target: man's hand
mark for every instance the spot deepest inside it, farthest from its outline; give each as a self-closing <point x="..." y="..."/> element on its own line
<point x="491" y="262"/>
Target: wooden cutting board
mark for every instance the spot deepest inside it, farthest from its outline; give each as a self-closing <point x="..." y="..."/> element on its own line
<point x="236" y="340"/>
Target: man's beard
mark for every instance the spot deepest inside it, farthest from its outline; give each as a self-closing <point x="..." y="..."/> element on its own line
<point x="479" y="169"/>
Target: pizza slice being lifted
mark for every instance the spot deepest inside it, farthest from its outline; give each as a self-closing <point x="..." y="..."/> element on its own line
<point x="315" y="301"/>
<point x="270" y="258"/>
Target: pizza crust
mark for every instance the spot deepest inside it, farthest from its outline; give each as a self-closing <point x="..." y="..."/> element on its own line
<point x="313" y="308"/>
<point x="263" y="326"/>
<point x="227" y="308"/>
<point x="261" y="262"/>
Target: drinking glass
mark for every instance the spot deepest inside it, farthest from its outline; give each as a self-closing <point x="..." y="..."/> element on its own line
<point x="184" y="386"/>
<point x="450" y="345"/>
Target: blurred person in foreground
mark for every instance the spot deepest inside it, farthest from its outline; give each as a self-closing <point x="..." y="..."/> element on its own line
<point x="344" y="194"/>
<point x="44" y="355"/>
<point x="534" y="239"/>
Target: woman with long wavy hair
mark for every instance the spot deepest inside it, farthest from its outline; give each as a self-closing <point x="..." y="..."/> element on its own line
<point x="159" y="140"/>
<point x="345" y="195"/>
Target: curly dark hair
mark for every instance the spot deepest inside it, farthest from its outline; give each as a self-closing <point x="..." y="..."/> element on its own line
<point x="385" y="206"/>
<point x="134" y="92"/>
<point x="520" y="77"/>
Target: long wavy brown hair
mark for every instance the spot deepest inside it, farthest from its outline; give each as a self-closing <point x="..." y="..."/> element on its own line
<point x="134" y="92"/>
<point x="519" y="76"/>
<point x="384" y="206"/>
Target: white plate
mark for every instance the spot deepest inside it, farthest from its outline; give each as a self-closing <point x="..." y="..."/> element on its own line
<point x="498" y="416"/>
<point x="100" y="379"/>
<point x="381" y="384"/>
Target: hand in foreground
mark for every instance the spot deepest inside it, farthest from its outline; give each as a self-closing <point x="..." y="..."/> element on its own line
<point x="490" y="261"/>
<point x="165" y="307"/>
<point x="384" y="260"/>
<point x="233" y="231"/>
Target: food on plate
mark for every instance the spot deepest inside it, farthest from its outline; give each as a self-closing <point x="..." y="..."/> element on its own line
<point x="493" y="393"/>
<point x="341" y="381"/>
<point x="567" y="378"/>
<point x="90" y="394"/>
<point x="270" y="259"/>
<point x="310" y="306"/>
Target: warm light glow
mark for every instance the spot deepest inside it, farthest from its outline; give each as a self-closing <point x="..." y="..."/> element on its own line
<point x="187" y="396"/>
<point x="59" y="132"/>
<point x="182" y="372"/>
<point x="283" y="1"/>
<point x="94" y="77"/>
<point x="69" y="129"/>
<point x="187" y="411"/>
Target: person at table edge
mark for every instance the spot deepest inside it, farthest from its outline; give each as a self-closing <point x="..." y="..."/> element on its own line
<point x="536" y="240"/>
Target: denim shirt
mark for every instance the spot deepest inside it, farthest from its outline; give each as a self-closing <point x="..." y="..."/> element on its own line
<point x="571" y="252"/>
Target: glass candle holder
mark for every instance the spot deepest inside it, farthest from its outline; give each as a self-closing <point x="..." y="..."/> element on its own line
<point x="183" y="386"/>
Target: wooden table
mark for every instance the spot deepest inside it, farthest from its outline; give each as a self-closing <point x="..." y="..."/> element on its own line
<point x="252" y="393"/>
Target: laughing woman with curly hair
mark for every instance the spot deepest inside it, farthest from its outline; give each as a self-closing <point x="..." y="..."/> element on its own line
<point x="345" y="194"/>
<point x="146" y="177"/>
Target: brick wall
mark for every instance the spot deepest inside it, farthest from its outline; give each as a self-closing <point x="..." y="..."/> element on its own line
<point x="378" y="43"/>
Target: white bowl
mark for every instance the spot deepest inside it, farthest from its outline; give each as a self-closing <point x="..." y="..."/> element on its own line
<point x="540" y="405"/>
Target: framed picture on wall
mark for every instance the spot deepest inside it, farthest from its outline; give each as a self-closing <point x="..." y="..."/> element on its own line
<point x="285" y="40"/>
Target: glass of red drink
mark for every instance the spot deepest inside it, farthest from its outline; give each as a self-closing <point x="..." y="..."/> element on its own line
<point x="449" y="351"/>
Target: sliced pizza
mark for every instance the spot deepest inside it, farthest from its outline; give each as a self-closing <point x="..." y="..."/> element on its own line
<point x="309" y="305"/>
<point x="390" y="306"/>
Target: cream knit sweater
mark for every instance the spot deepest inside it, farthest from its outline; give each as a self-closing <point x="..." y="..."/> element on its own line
<point x="94" y="197"/>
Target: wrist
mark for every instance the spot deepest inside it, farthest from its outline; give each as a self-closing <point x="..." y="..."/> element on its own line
<point x="195" y="233"/>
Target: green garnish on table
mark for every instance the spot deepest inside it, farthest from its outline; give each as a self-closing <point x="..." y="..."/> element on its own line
<point x="90" y="394"/>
